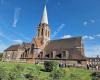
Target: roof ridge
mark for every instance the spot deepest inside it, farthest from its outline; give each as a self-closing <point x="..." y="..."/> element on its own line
<point x="67" y="38"/>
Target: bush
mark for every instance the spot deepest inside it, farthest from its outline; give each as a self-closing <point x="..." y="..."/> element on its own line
<point x="48" y="66"/>
<point x="55" y="65"/>
<point x="19" y="68"/>
<point x="57" y="74"/>
<point x="12" y="76"/>
<point x="95" y="76"/>
<point x="15" y="73"/>
<point x="28" y="76"/>
<point x="3" y="73"/>
<point x="1" y="54"/>
<point x="32" y="73"/>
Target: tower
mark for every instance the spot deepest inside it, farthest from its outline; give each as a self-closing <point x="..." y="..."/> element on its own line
<point x="43" y="33"/>
<point x="43" y="28"/>
<point x="43" y="36"/>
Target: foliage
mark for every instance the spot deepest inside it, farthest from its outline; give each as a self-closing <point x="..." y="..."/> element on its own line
<point x="12" y="75"/>
<point x="1" y="54"/>
<point x="74" y="76"/>
<point x="32" y="72"/>
<point x="95" y="75"/>
<point x="28" y="76"/>
<point x="55" y="65"/>
<point x="57" y="74"/>
<point x="23" y="71"/>
<point x="3" y="74"/>
<point x="48" y="66"/>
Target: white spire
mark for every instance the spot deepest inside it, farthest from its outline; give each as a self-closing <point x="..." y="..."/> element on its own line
<point x="45" y="16"/>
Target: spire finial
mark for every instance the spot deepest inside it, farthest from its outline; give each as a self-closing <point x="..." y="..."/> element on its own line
<point x="45" y="16"/>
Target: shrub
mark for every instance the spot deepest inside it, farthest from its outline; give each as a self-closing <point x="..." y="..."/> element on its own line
<point x="15" y="73"/>
<point x="32" y="73"/>
<point x="55" y="65"/>
<point x="48" y="66"/>
<point x="95" y="76"/>
<point x="11" y="76"/>
<point x="28" y="76"/>
<point x="57" y="74"/>
<point x="19" y="68"/>
<point x="3" y="73"/>
<point x="1" y="54"/>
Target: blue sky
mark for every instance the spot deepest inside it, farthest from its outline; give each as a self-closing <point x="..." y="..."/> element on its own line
<point x="67" y="18"/>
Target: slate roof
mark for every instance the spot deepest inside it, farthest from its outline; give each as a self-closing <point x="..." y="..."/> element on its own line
<point x="64" y="43"/>
<point x="72" y="45"/>
<point x="12" y="48"/>
<point x="17" y="46"/>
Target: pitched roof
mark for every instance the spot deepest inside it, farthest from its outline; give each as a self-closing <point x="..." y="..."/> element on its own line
<point x="72" y="45"/>
<point x="13" y="48"/>
<point x="17" y="46"/>
<point x="24" y="45"/>
<point x="64" y="43"/>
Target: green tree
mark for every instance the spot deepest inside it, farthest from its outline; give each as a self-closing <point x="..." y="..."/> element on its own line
<point x="1" y="54"/>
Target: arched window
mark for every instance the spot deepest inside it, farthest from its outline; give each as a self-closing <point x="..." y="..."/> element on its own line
<point x="64" y="54"/>
<point x="42" y="32"/>
<point x="59" y="56"/>
<point x="40" y="55"/>
<point x="21" y="55"/>
<point x="48" y="34"/>
<point x="51" y="54"/>
<point x="38" y="32"/>
<point x="47" y="56"/>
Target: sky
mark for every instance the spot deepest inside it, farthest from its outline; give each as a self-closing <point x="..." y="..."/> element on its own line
<point x="19" y="20"/>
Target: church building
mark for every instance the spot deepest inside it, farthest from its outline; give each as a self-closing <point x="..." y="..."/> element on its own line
<point x="42" y="48"/>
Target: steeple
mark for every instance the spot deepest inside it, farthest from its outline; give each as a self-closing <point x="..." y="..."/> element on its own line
<point x="45" y="16"/>
<point x="43" y="32"/>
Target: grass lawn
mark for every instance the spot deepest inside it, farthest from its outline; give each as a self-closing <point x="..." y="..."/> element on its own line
<point x="23" y="71"/>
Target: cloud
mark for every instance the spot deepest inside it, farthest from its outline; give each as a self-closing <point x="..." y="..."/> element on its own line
<point x="18" y="41"/>
<point x="67" y="36"/>
<point x="88" y="37"/>
<point x="58" y="30"/>
<point x="16" y="16"/>
<point x="98" y="35"/>
<point x="92" y="21"/>
<point x="86" y="22"/>
<point x="3" y="47"/>
<point x="2" y="35"/>
<point x="10" y="37"/>
<point x="91" y="37"/>
<point x="92" y="50"/>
